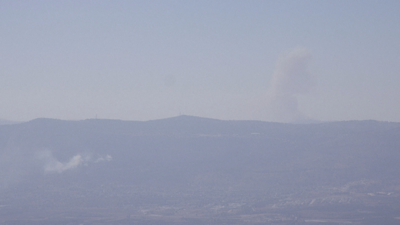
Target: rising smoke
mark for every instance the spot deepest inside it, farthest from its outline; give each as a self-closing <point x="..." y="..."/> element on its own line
<point x="290" y="79"/>
<point x="52" y="165"/>
<point x="16" y="164"/>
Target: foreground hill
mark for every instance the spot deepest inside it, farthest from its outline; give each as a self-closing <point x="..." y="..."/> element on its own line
<point x="191" y="170"/>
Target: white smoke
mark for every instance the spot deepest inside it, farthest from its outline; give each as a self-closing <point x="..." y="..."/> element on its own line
<point x="52" y="165"/>
<point x="105" y="158"/>
<point x="290" y="79"/>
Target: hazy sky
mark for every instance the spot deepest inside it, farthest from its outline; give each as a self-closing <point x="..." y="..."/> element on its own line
<point x="253" y="60"/>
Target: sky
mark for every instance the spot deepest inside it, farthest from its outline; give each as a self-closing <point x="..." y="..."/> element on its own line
<point x="282" y="61"/>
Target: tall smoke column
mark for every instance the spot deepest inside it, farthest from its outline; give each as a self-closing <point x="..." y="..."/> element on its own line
<point x="290" y="79"/>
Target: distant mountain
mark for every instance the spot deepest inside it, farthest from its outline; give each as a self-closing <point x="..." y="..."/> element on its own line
<point x="345" y="150"/>
<point x="209" y="166"/>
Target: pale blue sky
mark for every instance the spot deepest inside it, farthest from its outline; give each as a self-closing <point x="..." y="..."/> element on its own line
<point x="141" y="60"/>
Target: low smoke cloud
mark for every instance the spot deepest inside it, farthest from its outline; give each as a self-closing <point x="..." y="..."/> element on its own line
<point x="290" y="79"/>
<point x="101" y="159"/>
<point x="52" y="165"/>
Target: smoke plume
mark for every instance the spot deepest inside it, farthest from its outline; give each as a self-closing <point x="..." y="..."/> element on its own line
<point x="290" y="79"/>
<point x="52" y="165"/>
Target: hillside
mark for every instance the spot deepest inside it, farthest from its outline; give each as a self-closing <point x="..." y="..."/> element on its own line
<point x="191" y="170"/>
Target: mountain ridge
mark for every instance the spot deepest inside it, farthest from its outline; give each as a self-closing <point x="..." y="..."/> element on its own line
<point x="206" y="165"/>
